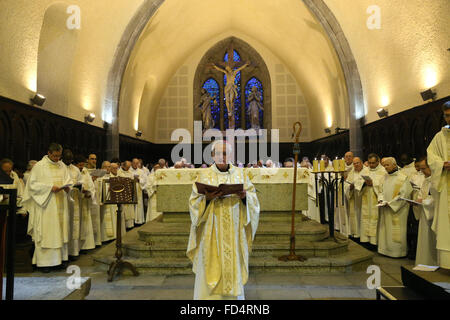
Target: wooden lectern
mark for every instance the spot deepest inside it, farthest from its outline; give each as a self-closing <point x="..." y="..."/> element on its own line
<point x="120" y="191"/>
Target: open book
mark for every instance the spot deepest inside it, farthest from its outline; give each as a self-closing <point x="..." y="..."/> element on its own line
<point x="225" y="189"/>
<point x="423" y="267"/>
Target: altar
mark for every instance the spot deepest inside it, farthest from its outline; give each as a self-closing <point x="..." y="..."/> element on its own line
<point x="273" y="185"/>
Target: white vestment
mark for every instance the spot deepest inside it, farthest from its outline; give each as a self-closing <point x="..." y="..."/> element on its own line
<point x="369" y="200"/>
<point x="128" y="210"/>
<point x="152" y="213"/>
<point x="89" y="223"/>
<point x="74" y="212"/>
<point x="221" y="236"/>
<point x="354" y="202"/>
<point x="95" y="210"/>
<point x="426" y="241"/>
<point x="313" y="210"/>
<point x="438" y="152"/>
<point x="409" y="170"/>
<point x="393" y="218"/>
<point x="48" y="223"/>
<point x="26" y="175"/>
<point x="139" y="215"/>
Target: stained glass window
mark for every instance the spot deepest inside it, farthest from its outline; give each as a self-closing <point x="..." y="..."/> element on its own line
<point x="253" y="82"/>
<point x="212" y="87"/>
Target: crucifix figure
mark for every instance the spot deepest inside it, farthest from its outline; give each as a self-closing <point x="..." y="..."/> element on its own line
<point x="230" y="91"/>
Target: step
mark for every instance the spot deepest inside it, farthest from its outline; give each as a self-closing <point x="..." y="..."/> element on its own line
<point x="306" y="231"/>
<point x="356" y="259"/>
<point x="139" y="249"/>
<point x="171" y="217"/>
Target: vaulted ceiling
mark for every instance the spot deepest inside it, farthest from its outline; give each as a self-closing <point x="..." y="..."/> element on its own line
<point x="406" y="55"/>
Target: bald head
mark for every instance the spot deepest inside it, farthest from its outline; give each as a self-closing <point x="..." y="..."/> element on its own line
<point x="162" y="163"/>
<point x="106" y="165"/>
<point x="113" y="168"/>
<point x="126" y="165"/>
<point x="135" y="163"/>
<point x="348" y="157"/>
<point x="357" y="164"/>
<point x="390" y="164"/>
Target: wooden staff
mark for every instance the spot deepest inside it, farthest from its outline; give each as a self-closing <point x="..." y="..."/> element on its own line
<point x="292" y="256"/>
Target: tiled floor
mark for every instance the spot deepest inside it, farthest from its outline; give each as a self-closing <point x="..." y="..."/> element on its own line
<point x="260" y="286"/>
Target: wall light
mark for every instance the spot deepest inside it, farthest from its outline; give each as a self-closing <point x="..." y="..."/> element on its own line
<point x="89" y="117"/>
<point x="428" y="94"/>
<point x="339" y="130"/>
<point x="138" y="133"/>
<point x="38" y="99"/>
<point x="327" y="130"/>
<point x="383" y="112"/>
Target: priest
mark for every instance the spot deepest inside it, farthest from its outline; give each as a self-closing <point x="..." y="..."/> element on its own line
<point x="46" y="201"/>
<point x="371" y="189"/>
<point x="152" y="213"/>
<point x="426" y="242"/>
<point x="222" y="230"/>
<point x="74" y="205"/>
<point x="91" y="166"/>
<point x="439" y="161"/>
<point x="393" y="211"/>
<point x="141" y="182"/>
<point x="352" y="189"/>
<point x="88" y="203"/>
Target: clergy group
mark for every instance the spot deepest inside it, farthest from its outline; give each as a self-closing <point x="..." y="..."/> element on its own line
<point x="63" y="196"/>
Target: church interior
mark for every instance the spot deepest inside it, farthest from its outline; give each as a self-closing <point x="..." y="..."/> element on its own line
<point x="138" y="89"/>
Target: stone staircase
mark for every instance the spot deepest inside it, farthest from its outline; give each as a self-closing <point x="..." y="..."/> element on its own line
<point x="160" y="247"/>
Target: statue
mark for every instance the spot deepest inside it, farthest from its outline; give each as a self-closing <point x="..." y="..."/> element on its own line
<point x="230" y="91"/>
<point x="205" y="107"/>
<point x="255" y="105"/>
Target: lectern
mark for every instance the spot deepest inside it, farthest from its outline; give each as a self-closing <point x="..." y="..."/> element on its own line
<point x="119" y="191"/>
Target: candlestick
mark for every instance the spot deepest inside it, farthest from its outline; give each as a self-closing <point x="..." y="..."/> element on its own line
<point x="315" y="165"/>
<point x="342" y="165"/>
<point x="336" y="165"/>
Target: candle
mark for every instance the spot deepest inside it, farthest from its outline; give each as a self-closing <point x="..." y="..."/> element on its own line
<point x="336" y="165"/>
<point x="342" y="165"/>
<point x="322" y="165"/>
<point x="315" y="165"/>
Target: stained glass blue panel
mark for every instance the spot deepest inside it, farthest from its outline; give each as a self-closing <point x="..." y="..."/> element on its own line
<point x="212" y="87"/>
<point x="236" y="56"/>
<point x="248" y="89"/>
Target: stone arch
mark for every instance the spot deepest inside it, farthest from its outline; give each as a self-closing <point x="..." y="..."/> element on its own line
<point x="317" y="7"/>
<point x="247" y="53"/>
